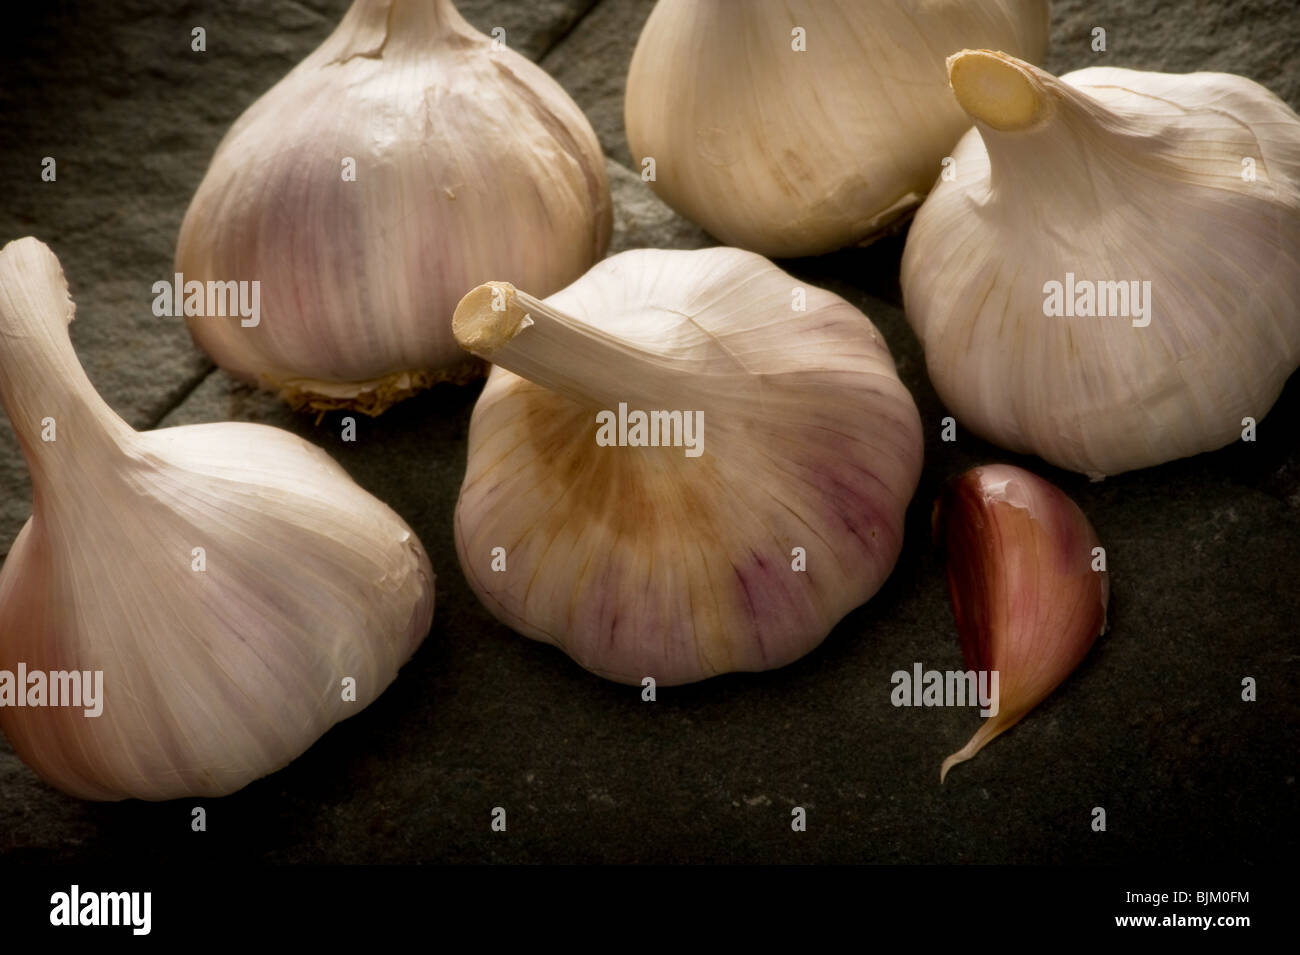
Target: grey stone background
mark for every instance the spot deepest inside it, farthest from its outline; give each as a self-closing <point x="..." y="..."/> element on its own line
<point x="1204" y="552"/>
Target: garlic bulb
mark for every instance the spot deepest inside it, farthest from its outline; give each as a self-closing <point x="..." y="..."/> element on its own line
<point x="232" y="588"/>
<point x="1028" y="584"/>
<point x="405" y="161"/>
<point x="673" y="472"/>
<point x="1111" y="279"/>
<point x="796" y="127"/>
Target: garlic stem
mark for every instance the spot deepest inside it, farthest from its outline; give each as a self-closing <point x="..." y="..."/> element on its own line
<point x="570" y="357"/>
<point x="40" y="377"/>
<point x="993" y="89"/>
<point x="1034" y="127"/>
<point x="370" y="27"/>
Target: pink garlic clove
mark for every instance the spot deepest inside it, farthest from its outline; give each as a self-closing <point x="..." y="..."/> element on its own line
<point x="1027" y="579"/>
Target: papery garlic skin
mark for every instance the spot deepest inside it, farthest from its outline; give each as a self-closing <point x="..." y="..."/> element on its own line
<point x="218" y="667"/>
<point x="794" y="153"/>
<point x="1029" y="588"/>
<point x="1189" y="182"/>
<point x="642" y="561"/>
<point x="471" y="163"/>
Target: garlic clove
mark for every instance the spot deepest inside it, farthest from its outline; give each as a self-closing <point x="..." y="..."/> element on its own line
<point x="404" y="161"/>
<point x="796" y="127"/>
<point x="1028" y="584"/>
<point x="1111" y="279"/>
<point x="225" y="580"/>
<point x="673" y="562"/>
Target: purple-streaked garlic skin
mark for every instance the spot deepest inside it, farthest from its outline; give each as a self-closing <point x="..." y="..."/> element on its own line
<point x="641" y="562"/>
<point x="1027" y="601"/>
<point x="470" y="163"/>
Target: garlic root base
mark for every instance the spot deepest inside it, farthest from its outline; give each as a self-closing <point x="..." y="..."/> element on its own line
<point x="373" y="397"/>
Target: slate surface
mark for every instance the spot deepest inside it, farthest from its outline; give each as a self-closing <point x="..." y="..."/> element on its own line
<point x="1203" y="552"/>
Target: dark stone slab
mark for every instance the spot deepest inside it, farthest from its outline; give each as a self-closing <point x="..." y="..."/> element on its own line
<point x="642" y="221"/>
<point x="1256" y="39"/>
<point x="591" y="63"/>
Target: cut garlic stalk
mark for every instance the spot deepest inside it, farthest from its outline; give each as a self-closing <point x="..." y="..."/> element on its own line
<point x="237" y="591"/>
<point x="795" y="127"/>
<point x="1111" y="279"/>
<point x="1028" y="583"/>
<point x="787" y="450"/>
<point x="406" y="160"/>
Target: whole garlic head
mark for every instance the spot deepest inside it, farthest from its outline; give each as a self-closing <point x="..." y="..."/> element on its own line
<point x="796" y="127"/>
<point x="225" y="579"/>
<point x="1111" y="279"/>
<point x="767" y="510"/>
<point x="405" y="161"/>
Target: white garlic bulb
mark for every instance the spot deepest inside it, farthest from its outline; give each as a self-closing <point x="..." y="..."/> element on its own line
<point x="1111" y="279"/>
<point x="684" y="464"/>
<point x="235" y="590"/>
<point x="796" y="127"/>
<point x="407" y="160"/>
